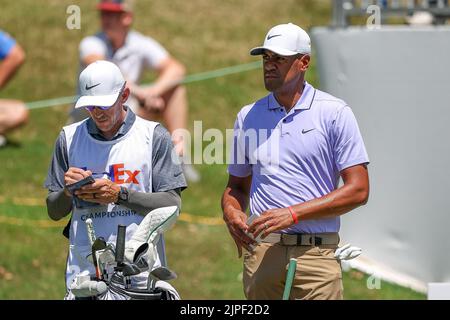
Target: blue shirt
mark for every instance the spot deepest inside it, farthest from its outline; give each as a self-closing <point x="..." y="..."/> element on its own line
<point x="6" y="44"/>
<point x="296" y="157"/>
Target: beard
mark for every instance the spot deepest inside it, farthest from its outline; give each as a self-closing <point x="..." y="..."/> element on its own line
<point x="272" y="84"/>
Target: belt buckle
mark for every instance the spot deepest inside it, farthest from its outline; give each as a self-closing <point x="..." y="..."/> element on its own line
<point x="299" y="239"/>
<point x="282" y="239"/>
<point x="317" y="241"/>
<point x="313" y="240"/>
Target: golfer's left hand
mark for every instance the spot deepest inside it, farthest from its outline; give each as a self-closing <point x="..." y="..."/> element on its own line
<point x="102" y="191"/>
<point x="270" y="221"/>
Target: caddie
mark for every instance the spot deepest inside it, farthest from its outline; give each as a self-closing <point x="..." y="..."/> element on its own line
<point x="131" y="159"/>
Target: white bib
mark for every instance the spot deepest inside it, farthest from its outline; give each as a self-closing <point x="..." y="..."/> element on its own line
<point x="127" y="161"/>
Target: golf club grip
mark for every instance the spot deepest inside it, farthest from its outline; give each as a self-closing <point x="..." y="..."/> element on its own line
<point x="90" y="231"/>
<point x="120" y="243"/>
<point x="289" y="278"/>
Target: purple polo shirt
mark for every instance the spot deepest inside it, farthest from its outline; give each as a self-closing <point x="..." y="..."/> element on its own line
<point x="298" y="156"/>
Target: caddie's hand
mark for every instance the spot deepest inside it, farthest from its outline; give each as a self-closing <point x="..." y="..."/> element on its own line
<point x="102" y="191"/>
<point x="73" y="175"/>
<point x="270" y="221"/>
<point x="237" y="226"/>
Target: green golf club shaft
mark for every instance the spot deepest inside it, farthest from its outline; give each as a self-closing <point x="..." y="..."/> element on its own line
<point x="289" y="278"/>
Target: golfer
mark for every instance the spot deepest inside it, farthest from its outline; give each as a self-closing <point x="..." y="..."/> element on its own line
<point x="305" y="141"/>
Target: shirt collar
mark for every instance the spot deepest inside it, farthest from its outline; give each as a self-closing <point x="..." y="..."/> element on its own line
<point x="127" y="123"/>
<point x="303" y="103"/>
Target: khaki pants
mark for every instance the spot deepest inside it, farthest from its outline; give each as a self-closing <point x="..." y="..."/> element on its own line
<point x="318" y="275"/>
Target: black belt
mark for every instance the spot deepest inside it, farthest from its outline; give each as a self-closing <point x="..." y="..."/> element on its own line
<point x="303" y="239"/>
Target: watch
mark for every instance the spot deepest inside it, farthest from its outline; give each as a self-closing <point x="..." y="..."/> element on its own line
<point x="122" y="197"/>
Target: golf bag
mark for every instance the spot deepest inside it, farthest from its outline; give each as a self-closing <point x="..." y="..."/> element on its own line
<point x="125" y="270"/>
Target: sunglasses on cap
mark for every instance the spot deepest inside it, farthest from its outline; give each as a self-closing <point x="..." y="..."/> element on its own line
<point x="91" y="108"/>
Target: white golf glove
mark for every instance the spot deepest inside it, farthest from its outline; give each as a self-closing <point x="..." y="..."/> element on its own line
<point x="347" y="252"/>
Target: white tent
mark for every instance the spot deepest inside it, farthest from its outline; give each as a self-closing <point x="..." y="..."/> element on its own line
<point x="397" y="82"/>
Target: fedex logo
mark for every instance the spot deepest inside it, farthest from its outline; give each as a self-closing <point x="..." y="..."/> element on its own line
<point x="118" y="174"/>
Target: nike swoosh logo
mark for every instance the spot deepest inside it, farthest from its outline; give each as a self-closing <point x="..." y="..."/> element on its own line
<point x="89" y="88"/>
<point x="306" y="131"/>
<point x="273" y="36"/>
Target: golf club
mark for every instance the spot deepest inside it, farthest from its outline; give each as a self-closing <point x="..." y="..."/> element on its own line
<point x="289" y="278"/>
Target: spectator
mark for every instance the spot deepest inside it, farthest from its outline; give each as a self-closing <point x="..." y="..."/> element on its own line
<point x="134" y="53"/>
<point x="13" y="113"/>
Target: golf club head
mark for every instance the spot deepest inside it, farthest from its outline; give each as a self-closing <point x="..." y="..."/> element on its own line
<point x="104" y="256"/>
<point x="163" y="273"/>
<point x="99" y="244"/>
<point x="135" y="250"/>
<point x="106" y="261"/>
<point x="130" y="269"/>
<point x="109" y="249"/>
<point x="142" y="264"/>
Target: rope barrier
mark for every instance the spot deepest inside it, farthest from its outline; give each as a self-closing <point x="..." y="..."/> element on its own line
<point x="35" y="202"/>
<point x="211" y="221"/>
<point x="188" y="79"/>
<point x="184" y="217"/>
<point x="31" y="202"/>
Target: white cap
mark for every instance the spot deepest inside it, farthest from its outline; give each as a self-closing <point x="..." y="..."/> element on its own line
<point x="285" y="40"/>
<point x="100" y="84"/>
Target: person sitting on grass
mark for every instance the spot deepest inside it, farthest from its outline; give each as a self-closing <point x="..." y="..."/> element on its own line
<point x="13" y="113"/>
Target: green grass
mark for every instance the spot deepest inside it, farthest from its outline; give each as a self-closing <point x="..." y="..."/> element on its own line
<point x="204" y="35"/>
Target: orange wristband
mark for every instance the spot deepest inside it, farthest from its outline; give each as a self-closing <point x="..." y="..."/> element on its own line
<point x="294" y="216"/>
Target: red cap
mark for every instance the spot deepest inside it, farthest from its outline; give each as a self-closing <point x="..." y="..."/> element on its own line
<point x="114" y="5"/>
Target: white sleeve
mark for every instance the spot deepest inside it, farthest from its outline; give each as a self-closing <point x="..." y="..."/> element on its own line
<point x="153" y="53"/>
<point x="92" y="45"/>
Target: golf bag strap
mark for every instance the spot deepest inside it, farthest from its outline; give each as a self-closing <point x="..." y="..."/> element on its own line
<point x="66" y="230"/>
